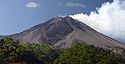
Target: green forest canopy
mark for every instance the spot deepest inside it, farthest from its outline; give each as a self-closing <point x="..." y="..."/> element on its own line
<point x="12" y="52"/>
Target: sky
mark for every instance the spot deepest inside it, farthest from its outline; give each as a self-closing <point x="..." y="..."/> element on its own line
<point x="19" y="15"/>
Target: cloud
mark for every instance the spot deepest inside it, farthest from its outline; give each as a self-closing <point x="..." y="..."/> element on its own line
<point x="109" y="19"/>
<point x="32" y="5"/>
<point x="73" y="4"/>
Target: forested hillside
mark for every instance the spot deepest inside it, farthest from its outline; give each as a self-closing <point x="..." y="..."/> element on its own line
<point x="13" y="52"/>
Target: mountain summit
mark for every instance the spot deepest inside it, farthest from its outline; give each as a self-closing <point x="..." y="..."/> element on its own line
<point x="62" y="31"/>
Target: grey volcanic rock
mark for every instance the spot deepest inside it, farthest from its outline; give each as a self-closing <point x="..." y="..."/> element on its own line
<point x="61" y="31"/>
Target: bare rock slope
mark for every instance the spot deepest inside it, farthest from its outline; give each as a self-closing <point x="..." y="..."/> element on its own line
<point x="61" y="31"/>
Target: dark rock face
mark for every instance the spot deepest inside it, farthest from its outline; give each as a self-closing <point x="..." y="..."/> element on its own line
<point x="57" y="30"/>
<point x="61" y="31"/>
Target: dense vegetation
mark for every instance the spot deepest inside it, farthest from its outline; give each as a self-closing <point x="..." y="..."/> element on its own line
<point x="13" y="52"/>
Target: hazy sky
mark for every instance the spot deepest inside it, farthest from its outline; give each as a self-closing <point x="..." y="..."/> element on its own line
<point x="19" y="15"/>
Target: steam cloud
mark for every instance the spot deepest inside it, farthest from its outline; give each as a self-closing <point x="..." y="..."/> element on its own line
<point x="109" y="19"/>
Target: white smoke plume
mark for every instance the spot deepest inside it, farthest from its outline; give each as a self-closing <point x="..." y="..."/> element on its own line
<point x="109" y="19"/>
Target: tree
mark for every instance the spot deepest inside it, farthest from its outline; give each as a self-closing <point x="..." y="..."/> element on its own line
<point x="86" y="54"/>
<point x="8" y="50"/>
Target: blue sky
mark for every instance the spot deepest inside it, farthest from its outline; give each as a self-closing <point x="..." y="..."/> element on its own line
<point x="19" y="15"/>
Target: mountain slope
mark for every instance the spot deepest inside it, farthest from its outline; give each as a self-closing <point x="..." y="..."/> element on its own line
<point x="61" y="31"/>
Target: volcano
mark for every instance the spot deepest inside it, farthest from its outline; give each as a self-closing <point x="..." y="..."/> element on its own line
<point x="62" y="31"/>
